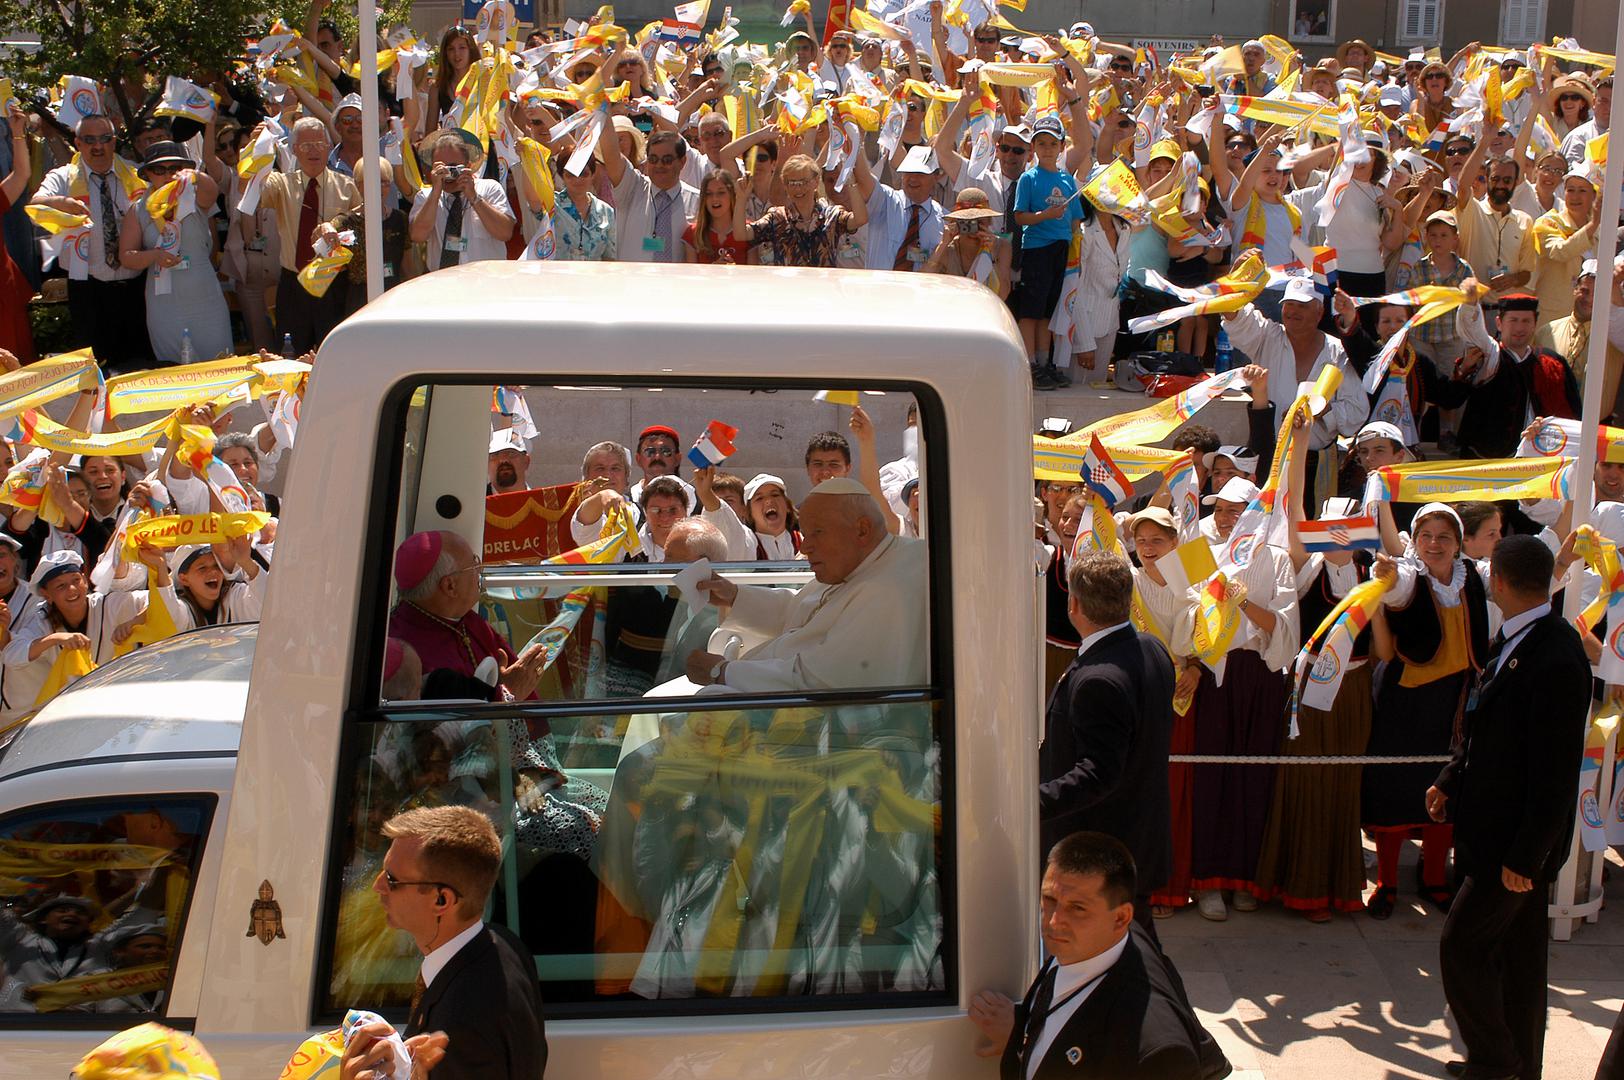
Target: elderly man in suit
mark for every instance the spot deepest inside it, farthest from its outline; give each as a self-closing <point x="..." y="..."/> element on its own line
<point x="1103" y="762"/>
<point x="1510" y="790"/>
<point x="1107" y="1003"/>
<point x="478" y="984"/>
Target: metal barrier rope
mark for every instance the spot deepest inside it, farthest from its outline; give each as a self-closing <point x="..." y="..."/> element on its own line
<point x="1278" y="759"/>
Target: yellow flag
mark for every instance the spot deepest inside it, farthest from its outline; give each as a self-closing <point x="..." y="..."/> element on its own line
<point x="40" y="430"/>
<point x="55" y="221"/>
<point x="171" y="388"/>
<point x="318" y="1056"/>
<point x="178" y="530"/>
<point x="1217" y="619"/>
<point x="533" y="159"/>
<point x="1023" y="75"/>
<point x="868" y="24"/>
<point x="156" y="624"/>
<point x="318" y="274"/>
<point x="70" y="664"/>
<point x="131" y="1053"/>
<point x="386" y="60"/>
<point x="83" y="989"/>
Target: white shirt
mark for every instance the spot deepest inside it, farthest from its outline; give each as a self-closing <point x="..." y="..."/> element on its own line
<point x="1079" y="980"/>
<point x="435" y="962"/>
<point x="780" y="548"/>
<point x="1264" y="340"/>
<point x="481" y="245"/>
<point x="57" y="183"/>
<point x="869" y="630"/>
<point x="888" y="213"/>
<point x="1514" y="630"/>
<point x="634" y="217"/>
<point x="1573" y="147"/>
<point x="1086" y="644"/>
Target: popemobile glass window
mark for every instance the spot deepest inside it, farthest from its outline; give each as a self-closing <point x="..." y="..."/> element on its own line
<point x="93" y="899"/>
<point x="574" y="678"/>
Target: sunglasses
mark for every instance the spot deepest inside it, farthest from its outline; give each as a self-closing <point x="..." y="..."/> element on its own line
<point x="662" y="159"/>
<point x="659" y="451"/>
<point x="162" y="170"/>
<point x="1568" y="97"/>
<point x="96" y="140"/>
<point x="1124" y="66"/>
<point x="1458" y="151"/>
<point x="394" y="883"/>
<point x="986" y="40"/>
<point x="1018" y="151"/>
<point x="1238" y="144"/>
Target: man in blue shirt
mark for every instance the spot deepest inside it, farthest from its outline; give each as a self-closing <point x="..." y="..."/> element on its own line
<point x="1047" y="206"/>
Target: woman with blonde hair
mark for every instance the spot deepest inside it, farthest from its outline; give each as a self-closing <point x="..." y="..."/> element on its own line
<point x="807" y="229"/>
<point x="709" y="237"/>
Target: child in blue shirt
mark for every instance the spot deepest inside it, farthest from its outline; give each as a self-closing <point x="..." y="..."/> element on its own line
<point x="1047" y="207"/>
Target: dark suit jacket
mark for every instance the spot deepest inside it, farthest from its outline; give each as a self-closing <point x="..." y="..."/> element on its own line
<point x="1103" y="763"/>
<point x="1135" y="1025"/>
<point x="1514" y="779"/>
<point x="488" y="1000"/>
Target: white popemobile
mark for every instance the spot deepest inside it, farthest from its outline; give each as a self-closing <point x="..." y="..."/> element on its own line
<point x="823" y="896"/>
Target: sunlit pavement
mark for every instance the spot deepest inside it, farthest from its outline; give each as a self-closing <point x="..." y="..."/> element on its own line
<point x="1356" y="998"/>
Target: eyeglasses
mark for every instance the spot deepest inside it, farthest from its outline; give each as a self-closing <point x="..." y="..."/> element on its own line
<point x="1018" y="151"/>
<point x="662" y="159"/>
<point x="659" y="451"/>
<point x="1552" y="170"/>
<point x="96" y="140"/>
<point x="800" y="182"/>
<point x="986" y="40"/>
<point x="310" y="146"/>
<point x="1457" y="151"/>
<point x="803" y="48"/>
<point x="463" y="570"/>
<point x="394" y="883"/>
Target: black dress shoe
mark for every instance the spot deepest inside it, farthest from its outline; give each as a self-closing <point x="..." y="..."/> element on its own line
<point x="1455" y="1068"/>
<point x="1382" y="902"/>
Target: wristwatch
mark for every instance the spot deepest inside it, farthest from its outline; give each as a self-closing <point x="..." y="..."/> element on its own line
<point x="716" y="672"/>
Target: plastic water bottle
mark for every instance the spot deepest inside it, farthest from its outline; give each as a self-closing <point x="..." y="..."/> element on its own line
<point x="287" y="347"/>
<point x="187" y="354"/>
<point x="1222" y="351"/>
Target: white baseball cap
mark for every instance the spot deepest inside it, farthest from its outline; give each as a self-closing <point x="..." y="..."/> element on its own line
<point x="1302" y="291"/>
<point x="1379" y="429"/>
<point x="761" y="480"/>
<point x="1237" y="489"/>
<point x="1243" y="461"/>
<point x="508" y="439"/>
<point x="920" y="159"/>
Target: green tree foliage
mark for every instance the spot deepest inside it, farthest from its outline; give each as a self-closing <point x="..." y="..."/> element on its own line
<point x="129" y="46"/>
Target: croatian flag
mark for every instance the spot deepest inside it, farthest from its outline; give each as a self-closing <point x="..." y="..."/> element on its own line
<point x="1102" y="475"/>
<point x="679" y="33"/>
<point x="713" y="447"/>
<point x="1340" y="534"/>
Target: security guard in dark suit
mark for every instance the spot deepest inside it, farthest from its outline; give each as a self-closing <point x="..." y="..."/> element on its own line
<point x="1510" y="789"/>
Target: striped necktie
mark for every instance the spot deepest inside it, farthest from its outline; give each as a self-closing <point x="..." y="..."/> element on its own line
<point x="910" y="239"/>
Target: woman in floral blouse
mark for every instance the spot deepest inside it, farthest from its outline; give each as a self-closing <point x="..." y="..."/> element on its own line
<point x="807" y="230"/>
<point x="583" y="223"/>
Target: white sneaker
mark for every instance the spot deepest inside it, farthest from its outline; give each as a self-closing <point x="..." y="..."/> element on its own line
<point x="1244" y="901"/>
<point x="1211" y="905"/>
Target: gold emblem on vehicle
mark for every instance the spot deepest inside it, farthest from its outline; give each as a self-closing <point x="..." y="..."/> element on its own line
<point x="265" y="916"/>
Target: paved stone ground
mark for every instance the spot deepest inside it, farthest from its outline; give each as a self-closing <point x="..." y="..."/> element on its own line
<point x="1357" y="999"/>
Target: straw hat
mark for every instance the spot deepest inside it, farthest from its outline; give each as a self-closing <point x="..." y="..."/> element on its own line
<point x="1573" y="84"/>
<point x="972" y="206"/>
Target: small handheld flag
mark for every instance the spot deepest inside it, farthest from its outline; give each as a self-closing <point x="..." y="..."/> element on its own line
<point x="838" y="397"/>
<point x="1340" y="534"/>
<point x="679" y="33"/>
<point x="1103" y="477"/>
<point x="714" y="446"/>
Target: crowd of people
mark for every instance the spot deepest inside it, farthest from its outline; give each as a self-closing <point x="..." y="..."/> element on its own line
<point x="1414" y="237"/>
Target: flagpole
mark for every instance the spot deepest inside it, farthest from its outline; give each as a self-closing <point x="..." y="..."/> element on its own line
<point x="1565" y="910"/>
<point x="371" y="183"/>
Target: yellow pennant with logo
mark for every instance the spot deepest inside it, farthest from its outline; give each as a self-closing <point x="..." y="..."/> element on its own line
<point x="318" y="275"/>
<point x="166" y="389"/>
<point x="150" y="1052"/>
<point x="81" y="989"/>
<point x="45" y="381"/>
<point x="40" y="430"/>
<point x="177" y="530"/>
<point x="157" y="624"/>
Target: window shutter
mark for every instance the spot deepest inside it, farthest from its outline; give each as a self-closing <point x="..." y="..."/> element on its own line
<point x="1419" y="20"/>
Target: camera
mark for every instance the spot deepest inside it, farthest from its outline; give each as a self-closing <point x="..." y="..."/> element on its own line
<point x="454" y="172"/>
